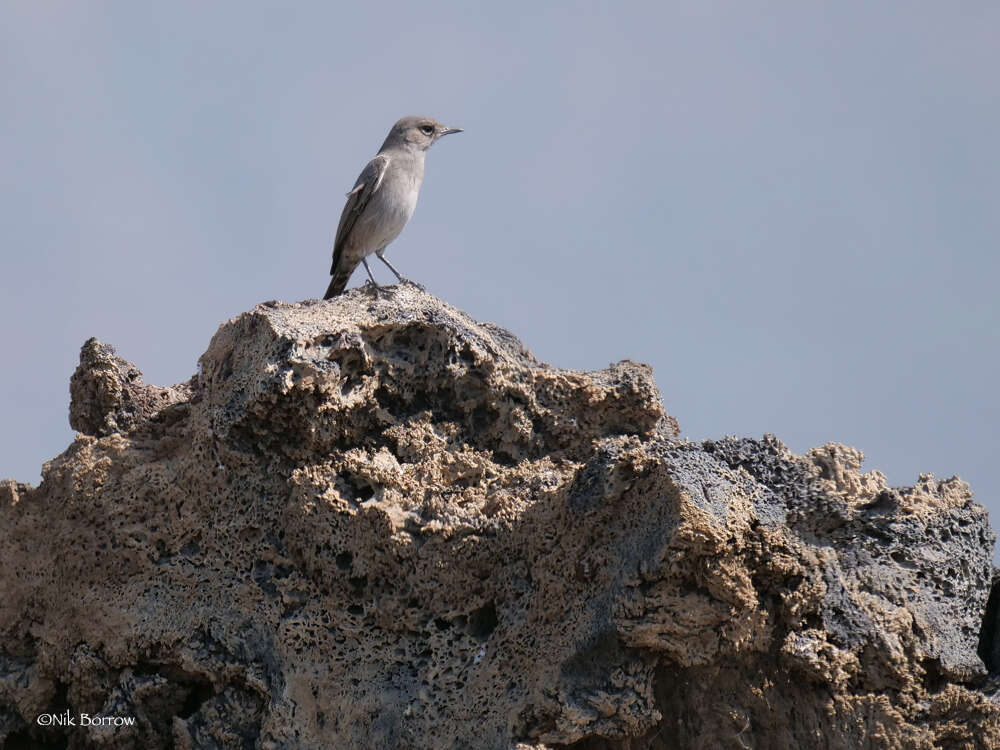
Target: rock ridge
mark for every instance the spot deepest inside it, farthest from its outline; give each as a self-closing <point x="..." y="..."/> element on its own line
<point x="375" y="522"/>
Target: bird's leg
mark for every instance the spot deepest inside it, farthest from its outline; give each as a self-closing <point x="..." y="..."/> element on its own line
<point x="376" y="289"/>
<point x="402" y="279"/>
<point x="391" y="267"/>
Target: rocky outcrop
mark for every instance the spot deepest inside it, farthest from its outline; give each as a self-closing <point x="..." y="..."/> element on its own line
<point x="375" y="523"/>
<point x="107" y="394"/>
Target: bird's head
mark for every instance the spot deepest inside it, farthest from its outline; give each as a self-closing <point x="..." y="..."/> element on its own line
<point x="417" y="133"/>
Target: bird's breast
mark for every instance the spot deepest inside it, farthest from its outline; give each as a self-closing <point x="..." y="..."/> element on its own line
<point x="390" y="209"/>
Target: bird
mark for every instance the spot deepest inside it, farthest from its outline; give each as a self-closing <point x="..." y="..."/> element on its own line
<point x="383" y="199"/>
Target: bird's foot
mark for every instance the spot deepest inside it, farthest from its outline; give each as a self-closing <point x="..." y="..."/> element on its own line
<point x="408" y="282"/>
<point x="373" y="289"/>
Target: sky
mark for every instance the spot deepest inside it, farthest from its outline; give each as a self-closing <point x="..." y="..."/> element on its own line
<point x="790" y="210"/>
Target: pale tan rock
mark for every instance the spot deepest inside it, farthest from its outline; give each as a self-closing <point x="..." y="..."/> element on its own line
<point x="376" y="523"/>
<point x="108" y="395"/>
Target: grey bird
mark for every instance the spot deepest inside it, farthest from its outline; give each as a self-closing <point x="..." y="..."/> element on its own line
<point x="383" y="199"/>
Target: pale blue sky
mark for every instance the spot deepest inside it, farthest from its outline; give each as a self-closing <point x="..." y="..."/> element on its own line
<point x="789" y="209"/>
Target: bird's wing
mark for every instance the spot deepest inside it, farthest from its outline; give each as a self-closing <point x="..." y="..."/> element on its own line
<point x="367" y="184"/>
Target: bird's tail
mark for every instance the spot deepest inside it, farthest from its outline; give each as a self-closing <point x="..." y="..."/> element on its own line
<point x="339" y="281"/>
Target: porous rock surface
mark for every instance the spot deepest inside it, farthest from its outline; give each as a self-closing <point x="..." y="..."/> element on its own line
<point x="375" y="523"/>
<point x="107" y="394"/>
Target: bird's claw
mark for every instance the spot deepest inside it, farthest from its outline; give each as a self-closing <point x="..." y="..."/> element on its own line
<point x="408" y="282"/>
<point x="373" y="289"/>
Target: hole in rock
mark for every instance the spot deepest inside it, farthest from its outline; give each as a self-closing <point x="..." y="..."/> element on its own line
<point x="361" y="488"/>
<point x="200" y="692"/>
<point x="483" y="621"/>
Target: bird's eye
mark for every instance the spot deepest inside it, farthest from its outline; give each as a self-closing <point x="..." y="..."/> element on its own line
<point x="427" y="129"/>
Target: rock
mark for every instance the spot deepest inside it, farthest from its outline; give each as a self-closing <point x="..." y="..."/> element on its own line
<point x="107" y="394"/>
<point x="378" y="523"/>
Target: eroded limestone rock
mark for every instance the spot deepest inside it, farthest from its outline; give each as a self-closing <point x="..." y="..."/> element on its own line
<point x="107" y="394"/>
<point x="376" y="523"/>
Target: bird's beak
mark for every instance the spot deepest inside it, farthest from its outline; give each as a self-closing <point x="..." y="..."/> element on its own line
<point x="449" y="131"/>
